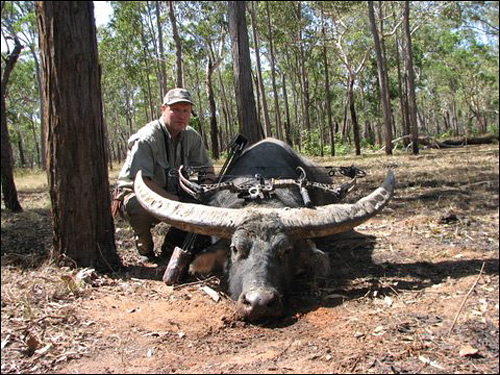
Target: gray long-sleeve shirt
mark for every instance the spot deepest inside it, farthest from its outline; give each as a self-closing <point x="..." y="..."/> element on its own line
<point x="148" y="151"/>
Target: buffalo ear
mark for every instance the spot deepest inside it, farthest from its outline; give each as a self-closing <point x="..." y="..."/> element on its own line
<point x="313" y="260"/>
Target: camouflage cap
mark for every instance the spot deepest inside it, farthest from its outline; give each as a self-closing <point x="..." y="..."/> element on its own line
<point x="177" y="95"/>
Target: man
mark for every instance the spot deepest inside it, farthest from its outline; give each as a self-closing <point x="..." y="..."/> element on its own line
<point x="158" y="149"/>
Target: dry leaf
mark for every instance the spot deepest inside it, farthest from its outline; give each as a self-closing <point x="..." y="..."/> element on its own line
<point x="6" y="341"/>
<point x="212" y="293"/>
<point x="32" y="343"/>
<point x="468" y="351"/>
<point x="44" y="350"/>
<point x="430" y="362"/>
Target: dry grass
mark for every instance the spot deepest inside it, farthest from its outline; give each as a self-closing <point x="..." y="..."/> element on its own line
<point x="31" y="180"/>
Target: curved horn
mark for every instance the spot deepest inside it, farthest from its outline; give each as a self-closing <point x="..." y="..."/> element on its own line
<point x="196" y="218"/>
<point x="337" y="218"/>
<point x="299" y="222"/>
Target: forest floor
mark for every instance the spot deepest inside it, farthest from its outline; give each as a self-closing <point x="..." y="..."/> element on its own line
<point x="414" y="290"/>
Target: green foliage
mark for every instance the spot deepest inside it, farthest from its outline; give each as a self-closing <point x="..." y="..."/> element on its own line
<point x="311" y="145"/>
<point x="455" y="57"/>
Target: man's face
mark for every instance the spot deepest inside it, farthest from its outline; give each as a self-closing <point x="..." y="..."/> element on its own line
<point x="176" y="116"/>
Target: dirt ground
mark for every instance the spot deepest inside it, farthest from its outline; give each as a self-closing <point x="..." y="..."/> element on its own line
<point x="414" y="290"/>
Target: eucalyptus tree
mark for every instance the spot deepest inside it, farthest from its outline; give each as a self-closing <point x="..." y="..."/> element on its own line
<point x="412" y="102"/>
<point x="457" y="70"/>
<point x="382" y="76"/>
<point x="247" y="115"/>
<point x="161" y="51"/>
<point x="83" y="229"/>
<point x="205" y="28"/>
<point x="326" y="68"/>
<point x="279" y="126"/>
<point x="9" y="189"/>
<point x="129" y="58"/>
<point x="260" y="83"/>
<point x="292" y="45"/>
<point x="353" y="48"/>
<point x="278" y="39"/>
<point x="23" y="114"/>
<point x="179" y="80"/>
<point x="20" y="19"/>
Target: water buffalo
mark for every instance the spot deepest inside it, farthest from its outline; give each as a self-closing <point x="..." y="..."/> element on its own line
<point x="269" y="239"/>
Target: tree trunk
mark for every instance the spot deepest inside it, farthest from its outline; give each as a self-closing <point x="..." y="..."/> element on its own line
<point x="83" y="229"/>
<point x="163" y="69"/>
<point x="277" y="112"/>
<point x="36" y="141"/>
<point x="288" y="133"/>
<point x="213" y="115"/>
<point x="345" y="125"/>
<point x="304" y="80"/>
<point x="41" y="151"/>
<point x="225" y="105"/>
<point x="327" y="86"/>
<point x="245" y="100"/>
<point x="20" y="146"/>
<point x="9" y="190"/>
<point x="178" y="47"/>
<point x="260" y="83"/>
<point x="382" y="76"/>
<point x="402" y="94"/>
<point x="354" y="119"/>
<point x="201" y="117"/>
<point x="149" y="104"/>
<point x="412" y="102"/>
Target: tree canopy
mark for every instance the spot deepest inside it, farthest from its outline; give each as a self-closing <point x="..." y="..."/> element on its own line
<point x="454" y="55"/>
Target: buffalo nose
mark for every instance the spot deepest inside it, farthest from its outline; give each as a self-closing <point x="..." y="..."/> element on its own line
<point x="258" y="304"/>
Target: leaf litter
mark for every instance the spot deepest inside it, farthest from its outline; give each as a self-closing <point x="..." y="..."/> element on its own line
<point x="407" y="294"/>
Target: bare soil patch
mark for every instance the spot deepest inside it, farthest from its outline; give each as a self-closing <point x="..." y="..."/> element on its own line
<point x="414" y="290"/>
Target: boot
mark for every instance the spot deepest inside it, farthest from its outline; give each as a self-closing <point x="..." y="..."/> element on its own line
<point x="145" y="247"/>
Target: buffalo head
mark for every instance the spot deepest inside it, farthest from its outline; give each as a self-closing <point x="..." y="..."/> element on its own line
<point x="267" y="245"/>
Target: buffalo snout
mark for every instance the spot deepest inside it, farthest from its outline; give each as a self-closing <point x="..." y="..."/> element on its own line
<point x="260" y="303"/>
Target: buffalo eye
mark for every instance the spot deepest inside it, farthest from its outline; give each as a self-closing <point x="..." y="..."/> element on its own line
<point x="239" y="251"/>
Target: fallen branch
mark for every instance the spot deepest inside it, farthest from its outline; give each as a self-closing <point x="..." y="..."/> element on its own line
<point x="204" y="281"/>
<point x="465" y="299"/>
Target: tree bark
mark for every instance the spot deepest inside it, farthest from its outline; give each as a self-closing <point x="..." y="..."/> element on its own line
<point x="304" y="79"/>
<point x="83" y="229"/>
<point x="382" y="76"/>
<point x="354" y="119"/>
<point x="9" y="190"/>
<point x="163" y="69"/>
<point x="279" y="127"/>
<point x="288" y="125"/>
<point x="245" y="100"/>
<point x="327" y="86"/>
<point x="402" y="93"/>
<point x="178" y="47"/>
<point x="213" y="115"/>
<point x="226" y="106"/>
<point x="260" y="83"/>
<point x="412" y="102"/>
